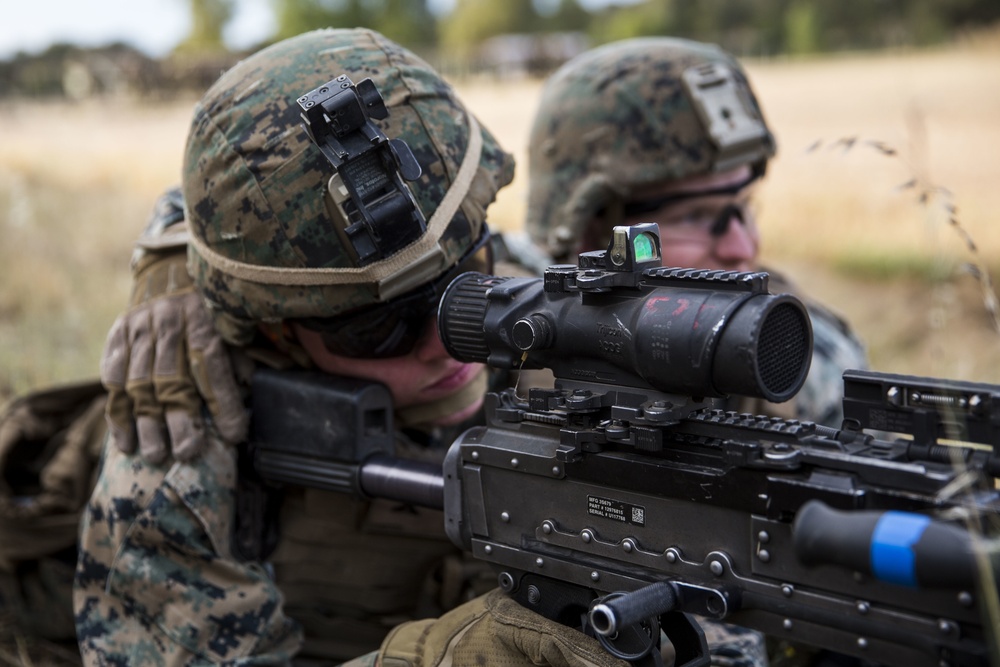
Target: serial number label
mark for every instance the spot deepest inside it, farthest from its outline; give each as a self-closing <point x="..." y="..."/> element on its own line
<point x="616" y="510"/>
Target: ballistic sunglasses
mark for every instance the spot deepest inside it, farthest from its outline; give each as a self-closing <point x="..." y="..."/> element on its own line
<point x="392" y="329"/>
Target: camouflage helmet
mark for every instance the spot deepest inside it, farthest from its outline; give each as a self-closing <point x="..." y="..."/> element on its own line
<point x="635" y="113"/>
<point x="266" y="243"/>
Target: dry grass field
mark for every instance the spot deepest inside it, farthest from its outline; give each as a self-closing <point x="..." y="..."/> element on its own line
<point x="77" y="182"/>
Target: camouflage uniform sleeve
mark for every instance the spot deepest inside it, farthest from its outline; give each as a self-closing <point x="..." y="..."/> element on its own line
<point x="835" y="349"/>
<point x="156" y="582"/>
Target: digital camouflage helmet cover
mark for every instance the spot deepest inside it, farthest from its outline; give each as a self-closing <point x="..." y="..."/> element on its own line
<point x="268" y="238"/>
<point x="631" y="114"/>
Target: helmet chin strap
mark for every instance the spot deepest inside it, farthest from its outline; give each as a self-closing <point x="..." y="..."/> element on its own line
<point x="432" y="414"/>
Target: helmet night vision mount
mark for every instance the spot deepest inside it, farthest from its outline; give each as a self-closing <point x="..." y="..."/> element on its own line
<point x="381" y="216"/>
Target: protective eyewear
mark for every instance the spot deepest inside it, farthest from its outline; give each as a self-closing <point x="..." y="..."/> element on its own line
<point x="393" y="328"/>
<point x="704" y="222"/>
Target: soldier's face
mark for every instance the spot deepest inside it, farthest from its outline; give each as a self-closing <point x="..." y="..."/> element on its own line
<point x="424" y="375"/>
<point x="707" y="223"/>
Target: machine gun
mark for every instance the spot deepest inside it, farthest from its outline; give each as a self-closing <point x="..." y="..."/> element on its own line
<point x="627" y="499"/>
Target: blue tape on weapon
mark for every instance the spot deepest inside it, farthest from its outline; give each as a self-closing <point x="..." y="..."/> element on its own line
<point x="892" y="556"/>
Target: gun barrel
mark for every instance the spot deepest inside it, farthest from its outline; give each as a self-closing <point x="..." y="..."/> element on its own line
<point x="415" y="482"/>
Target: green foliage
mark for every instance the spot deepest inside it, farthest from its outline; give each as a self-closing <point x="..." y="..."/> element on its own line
<point x="408" y="22"/>
<point x="650" y="18"/>
<point x="745" y="27"/>
<point x="405" y="21"/>
<point x="891" y="264"/>
<point x="567" y="16"/>
<point x="754" y="27"/>
<point x="801" y="28"/>
<point x="927" y="23"/>
<point x="208" y="18"/>
<point x="473" y="21"/>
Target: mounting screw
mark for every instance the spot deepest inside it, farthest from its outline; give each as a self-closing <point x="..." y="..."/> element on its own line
<point x="894" y="396"/>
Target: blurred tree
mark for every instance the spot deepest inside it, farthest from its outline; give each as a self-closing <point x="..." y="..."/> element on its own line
<point x="408" y="22"/>
<point x="649" y="18"/>
<point x="767" y="26"/>
<point x="745" y="27"/>
<point x="208" y="18"/>
<point x="298" y="16"/>
<point x="473" y="21"/>
<point x="801" y="28"/>
<point x="562" y="16"/>
<point x="927" y="21"/>
<point x="967" y="13"/>
<point x="764" y="27"/>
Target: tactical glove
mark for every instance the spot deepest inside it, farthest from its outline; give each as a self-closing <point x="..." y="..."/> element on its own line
<point x="491" y="630"/>
<point x="162" y="362"/>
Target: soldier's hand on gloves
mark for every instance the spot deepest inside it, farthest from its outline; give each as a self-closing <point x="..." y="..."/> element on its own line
<point x="163" y="361"/>
<point x="491" y="630"/>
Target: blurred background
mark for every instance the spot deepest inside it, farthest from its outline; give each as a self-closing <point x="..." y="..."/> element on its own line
<point x="882" y="201"/>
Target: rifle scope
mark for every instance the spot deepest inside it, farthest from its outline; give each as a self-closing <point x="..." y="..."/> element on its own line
<point x="697" y="333"/>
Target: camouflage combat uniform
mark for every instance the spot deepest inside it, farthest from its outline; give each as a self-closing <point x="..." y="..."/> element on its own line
<point x="620" y="118"/>
<point x="641" y="113"/>
<point x="159" y="580"/>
